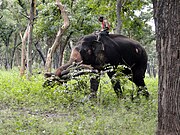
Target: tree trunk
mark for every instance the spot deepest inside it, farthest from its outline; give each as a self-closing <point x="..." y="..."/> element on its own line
<point x="58" y="36"/>
<point x="6" y="65"/>
<point x="18" y="58"/>
<point x="23" y="51"/>
<point x="61" y="55"/>
<point x="6" y="40"/>
<point x="62" y="48"/>
<point x="30" y="39"/>
<point x="167" y="22"/>
<point x="13" y="51"/>
<point x="148" y="69"/>
<point x="40" y="53"/>
<point x="118" y="14"/>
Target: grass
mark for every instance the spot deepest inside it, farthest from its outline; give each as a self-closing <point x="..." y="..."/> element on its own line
<point x="28" y="108"/>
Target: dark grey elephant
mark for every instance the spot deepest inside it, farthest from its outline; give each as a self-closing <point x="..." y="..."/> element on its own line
<point x="98" y="50"/>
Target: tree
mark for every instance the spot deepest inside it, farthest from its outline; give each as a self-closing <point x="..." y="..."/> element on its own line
<point x="23" y="51"/>
<point x="5" y="35"/>
<point x="167" y="23"/>
<point x="58" y="36"/>
<point x="30" y="37"/>
<point x="118" y="14"/>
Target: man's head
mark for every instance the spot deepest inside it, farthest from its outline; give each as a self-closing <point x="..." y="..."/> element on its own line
<point x="101" y="18"/>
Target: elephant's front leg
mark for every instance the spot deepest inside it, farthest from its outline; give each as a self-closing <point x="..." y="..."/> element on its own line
<point x="117" y="87"/>
<point x="94" y="83"/>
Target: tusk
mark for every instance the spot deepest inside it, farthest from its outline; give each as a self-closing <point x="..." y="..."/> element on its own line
<point x="86" y="66"/>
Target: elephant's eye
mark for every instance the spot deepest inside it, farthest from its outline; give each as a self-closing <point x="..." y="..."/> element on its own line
<point x="89" y="52"/>
<point x="85" y="49"/>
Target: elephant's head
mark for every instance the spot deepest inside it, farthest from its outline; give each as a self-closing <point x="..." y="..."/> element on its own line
<point x="92" y="53"/>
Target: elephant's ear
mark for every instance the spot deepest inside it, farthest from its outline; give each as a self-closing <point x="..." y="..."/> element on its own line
<point x="97" y="46"/>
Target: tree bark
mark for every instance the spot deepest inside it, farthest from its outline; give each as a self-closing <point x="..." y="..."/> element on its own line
<point x="23" y="51"/>
<point x="30" y="39"/>
<point x="40" y="53"/>
<point x="13" y="51"/>
<point x="118" y="14"/>
<point x="167" y="22"/>
<point x="7" y="42"/>
<point x="63" y="47"/>
<point x="6" y="56"/>
<point x="119" y="5"/>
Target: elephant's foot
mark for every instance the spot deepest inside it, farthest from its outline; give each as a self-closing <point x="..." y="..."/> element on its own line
<point x="144" y="93"/>
<point x="92" y="95"/>
<point x="119" y="95"/>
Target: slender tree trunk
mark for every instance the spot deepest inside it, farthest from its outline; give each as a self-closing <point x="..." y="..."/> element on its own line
<point x="40" y="53"/>
<point x="62" y="48"/>
<point x="30" y="39"/>
<point x="61" y="56"/>
<point x="17" y="58"/>
<point x="58" y="36"/>
<point x="167" y="22"/>
<point x="14" y="49"/>
<point x="23" y="51"/>
<point x="149" y="69"/>
<point x="6" y="56"/>
<point x="6" y="40"/>
<point x="118" y="14"/>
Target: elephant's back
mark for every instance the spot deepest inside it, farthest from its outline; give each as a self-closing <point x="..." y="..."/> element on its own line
<point x="126" y="44"/>
<point x="123" y="39"/>
<point x="117" y="36"/>
<point x="131" y="51"/>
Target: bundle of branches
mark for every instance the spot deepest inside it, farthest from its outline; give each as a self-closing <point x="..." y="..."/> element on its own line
<point x="75" y="70"/>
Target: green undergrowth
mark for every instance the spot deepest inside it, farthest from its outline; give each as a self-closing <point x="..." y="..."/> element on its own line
<point x="26" y="107"/>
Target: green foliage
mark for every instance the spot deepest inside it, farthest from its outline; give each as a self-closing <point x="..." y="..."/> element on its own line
<point x="28" y="108"/>
<point x="83" y="17"/>
<point x="48" y="20"/>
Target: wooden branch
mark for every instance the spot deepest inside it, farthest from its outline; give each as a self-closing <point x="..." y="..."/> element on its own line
<point x="77" y="73"/>
<point x="58" y="36"/>
<point x="52" y="79"/>
<point x="74" y="67"/>
<point x="24" y="8"/>
<point x="77" y="69"/>
<point x="25" y="15"/>
<point x="64" y="15"/>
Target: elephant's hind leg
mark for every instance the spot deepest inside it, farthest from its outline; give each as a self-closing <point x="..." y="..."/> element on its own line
<point x="138" y="79"/>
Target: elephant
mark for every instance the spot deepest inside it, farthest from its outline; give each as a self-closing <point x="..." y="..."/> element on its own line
<point x="98" y="50"/>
